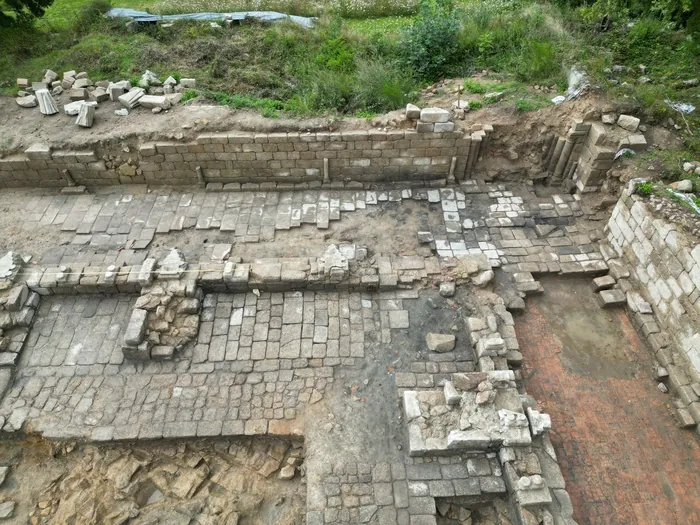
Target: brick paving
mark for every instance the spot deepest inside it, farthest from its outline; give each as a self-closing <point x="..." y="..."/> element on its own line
<point x="624" y="460"/>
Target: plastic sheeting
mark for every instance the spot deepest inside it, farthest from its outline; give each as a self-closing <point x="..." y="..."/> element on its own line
<point x="263" y="16"/>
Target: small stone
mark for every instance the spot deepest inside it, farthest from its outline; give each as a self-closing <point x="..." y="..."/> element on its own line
<point x="662" y="388"/>
<point x="3" y="474"/>
<point x="447" y="289"/>
<point x="440" y="342"/>
<point x="425" y="237"/>
<point x="683" y="186"/>
<point x="609" y="118"/>
<point x="7" y="508"/>
<point x="496" y="96"/>
<point x="287" y="472"/>
<point x="483" y="278"/>
<point x="121" y="112"/>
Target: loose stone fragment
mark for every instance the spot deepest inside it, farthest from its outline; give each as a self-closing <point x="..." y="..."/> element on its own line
<point x="131" y="99"/>
<point x="47" y="106"/>
<point x="440" y="342"/>
<point x="412" y="112"/>
<point x="27" y="102"/>
<point x="447" y="289"/>
<point x="628" y="123"/>
<point x="86" y="116"/>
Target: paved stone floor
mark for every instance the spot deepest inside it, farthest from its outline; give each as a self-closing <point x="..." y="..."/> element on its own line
<point x="624" y="460"/>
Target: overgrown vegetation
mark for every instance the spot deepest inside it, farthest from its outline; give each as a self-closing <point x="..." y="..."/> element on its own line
<point x="365" y="66"/>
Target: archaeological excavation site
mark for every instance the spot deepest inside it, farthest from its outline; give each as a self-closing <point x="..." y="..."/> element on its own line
<point x="435" y="317"/>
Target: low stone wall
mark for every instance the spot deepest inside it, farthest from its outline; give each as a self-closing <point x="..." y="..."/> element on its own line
<point x="664" y="263"/>
<point x="267" y="160"/>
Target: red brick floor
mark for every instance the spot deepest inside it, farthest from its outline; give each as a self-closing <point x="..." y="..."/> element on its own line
<point x="624" y="460"/>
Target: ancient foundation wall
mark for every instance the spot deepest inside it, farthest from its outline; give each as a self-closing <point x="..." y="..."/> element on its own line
<point x="263" y="159"/>
<point x="666" y="264"/>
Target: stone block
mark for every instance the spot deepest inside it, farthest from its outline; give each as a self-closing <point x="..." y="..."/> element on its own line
<point x="38" y="151"/>
<point x="611" y="298"/>
<point x="136" y="329"/>
<point x="628" y="123"/>
<point x="434" y="115"/>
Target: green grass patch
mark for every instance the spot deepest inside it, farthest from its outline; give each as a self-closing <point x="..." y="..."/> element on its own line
<point x="475" y="104"/>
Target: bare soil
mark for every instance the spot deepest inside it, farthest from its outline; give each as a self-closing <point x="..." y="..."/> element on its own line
<point x="213" y="481"/>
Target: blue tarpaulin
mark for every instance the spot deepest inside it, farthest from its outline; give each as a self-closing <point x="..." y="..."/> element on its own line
<point x="263" y="16"/>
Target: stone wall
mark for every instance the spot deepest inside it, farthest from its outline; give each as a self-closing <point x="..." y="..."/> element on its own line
<point x="268" y="160"/>
<point x="666" y="264"/>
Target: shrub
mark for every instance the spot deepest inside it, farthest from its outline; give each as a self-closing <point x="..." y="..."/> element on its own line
<point x="23" y="11"/>
<point x="382" y="86"/>
<point x="430" y="47"/>
<point x="475" y="104"/>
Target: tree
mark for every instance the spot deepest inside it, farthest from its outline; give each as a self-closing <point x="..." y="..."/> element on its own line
<point x="22" y="11"/>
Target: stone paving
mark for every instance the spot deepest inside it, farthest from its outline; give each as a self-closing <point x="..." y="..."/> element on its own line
<point x="258" y="358"/>
<point x="268" y="362"/>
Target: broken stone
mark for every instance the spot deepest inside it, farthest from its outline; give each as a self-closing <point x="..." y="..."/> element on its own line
<point x="7" y="508"/>
<point x="539" y="422"/>
<point x="73" y="108"/>
<point x="3" y="472"/>
<point x="47" y="106"/>
<point x="662" y="388"/>
<point x="287" y="472"/>
<point x="152" y="102"/>
<point x="447" y="289"/>
<point x="131" y="99"/>
<point x="440" y="342"/>
<point x="425" y="237"/>
<point x="452" y="397"/>
<point x="100" y="95"/>
<point x="412" y="112"/>
<point x="611" y="298"/>
<point x="495" y="96"/>
<point x="173" y="266"/>
<point x="628" y="123"/>
<point x="121" y="112"/>
<point x="86" y="116"/>
<point x="483" y="278"/>
<point x="82" y="83"/>
<point x="27" y="102"/>
<point x="17" y="297"/>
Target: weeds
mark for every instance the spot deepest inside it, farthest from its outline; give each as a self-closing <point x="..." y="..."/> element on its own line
<point x="645" y="188"/>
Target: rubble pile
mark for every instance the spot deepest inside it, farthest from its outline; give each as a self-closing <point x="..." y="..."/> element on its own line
<point x="166" y="316"/>
<point x="84" y="96"/>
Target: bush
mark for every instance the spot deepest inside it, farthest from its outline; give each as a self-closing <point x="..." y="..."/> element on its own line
<point x="23" y="11"/>
<point x="430" y="47"/>
<point x="475" y="104"/>
<point x="382" y="86"/>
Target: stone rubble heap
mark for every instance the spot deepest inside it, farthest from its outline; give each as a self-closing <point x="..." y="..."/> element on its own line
<point x="17" y="308"/>
<point x="166" y="315"/>
<point x="85" y="95"/>
<point x="486" y="414"/>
